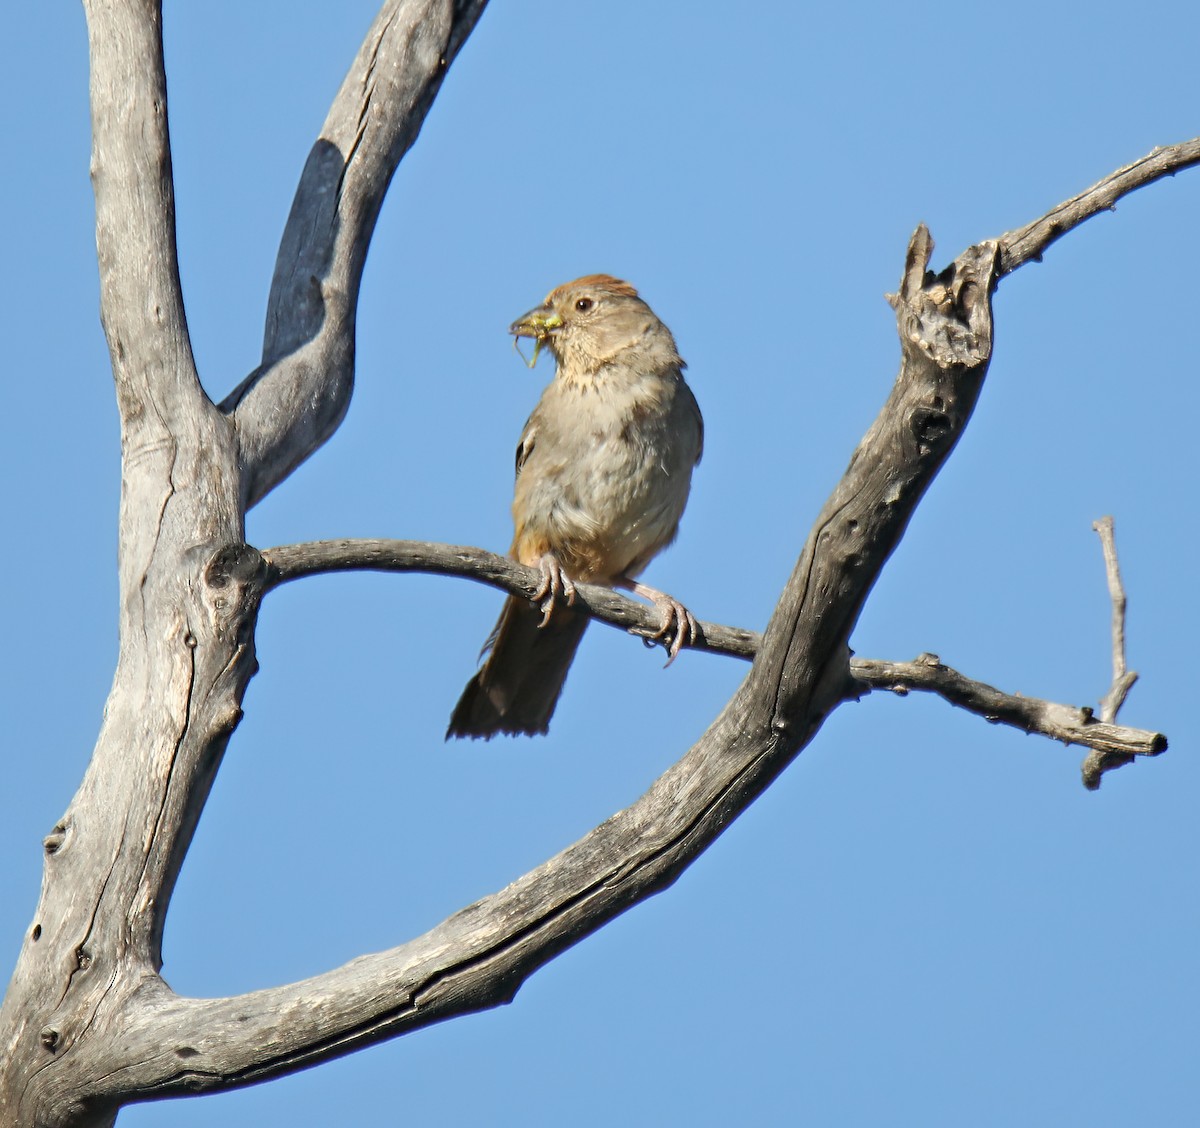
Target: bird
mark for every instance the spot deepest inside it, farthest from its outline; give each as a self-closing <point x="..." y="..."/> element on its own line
<point x="603" y="471"/>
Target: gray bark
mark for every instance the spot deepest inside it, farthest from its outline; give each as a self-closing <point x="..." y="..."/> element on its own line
<point x="88" y="1024"/>
<point x="188" y="588"/>
<point x="299" y="394"/>
<point x="1071" y="724"/>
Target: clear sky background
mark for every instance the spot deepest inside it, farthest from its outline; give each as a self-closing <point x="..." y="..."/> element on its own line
<point x="926" y="921"/>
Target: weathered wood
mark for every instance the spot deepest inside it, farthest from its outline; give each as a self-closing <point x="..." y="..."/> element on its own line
<point x="112" y="861"/>
<point x="478" y="957"/>
<point x="290" y="562"/>
<point x="296" y="398"/>
<point x="188" y="588"/>
<point x="1028" y="243"/>
<point x="1103" y="760"/>
<point x="88" y="1024"/>
<point x="1071" y="724"/>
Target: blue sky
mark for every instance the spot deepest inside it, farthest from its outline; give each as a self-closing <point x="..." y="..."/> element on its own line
<point x="926" y="921"/>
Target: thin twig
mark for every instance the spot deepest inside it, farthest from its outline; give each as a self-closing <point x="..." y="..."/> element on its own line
<point x="1123" y="677"/>
<point x="1099" y="761"/>
<point x="1071" y="724"/>
<point x="1029" y="242"/>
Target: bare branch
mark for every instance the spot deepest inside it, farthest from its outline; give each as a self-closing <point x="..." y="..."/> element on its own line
<point x="293" y="561"/>
<point x="1123" y="678"/>
<point x="141" y="302"/>
<point x="186" y="644"/>
<point x="480" y="956"/>
<point x="87" y="1024"/>
<point x="296" y="398"/>
<point x="1068" y="723"/>
<point x="1100" y="761"/>
<point x="1029" y="242"/>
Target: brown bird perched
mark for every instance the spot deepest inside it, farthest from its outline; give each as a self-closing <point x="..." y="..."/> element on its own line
<point x="604" y="466"/>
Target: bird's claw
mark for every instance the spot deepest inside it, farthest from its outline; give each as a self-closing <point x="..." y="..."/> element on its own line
<point x="678" y="626"/>
<point x="555" y="585"/>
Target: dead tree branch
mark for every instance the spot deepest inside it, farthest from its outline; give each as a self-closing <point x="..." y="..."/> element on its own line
<point x="1070" y="724"/>
<point x="88" y="1024"/>
<point x="1028" y="243"/>
<point x="1067" y="723"/>
<point x="189" y="588"/>
<point x="1123" y="679"/>
<point x="288" y="406"/>
<point x="479" y="957"/>
<point x="294" y="561"/>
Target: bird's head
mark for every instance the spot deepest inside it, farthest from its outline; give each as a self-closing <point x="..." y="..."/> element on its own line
<point x="596" y="321"/>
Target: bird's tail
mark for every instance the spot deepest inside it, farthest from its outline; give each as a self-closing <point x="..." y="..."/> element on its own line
<point x="517" y="687"/>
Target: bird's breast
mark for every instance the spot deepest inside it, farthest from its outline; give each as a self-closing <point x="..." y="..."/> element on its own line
<point x="607" y="478"/>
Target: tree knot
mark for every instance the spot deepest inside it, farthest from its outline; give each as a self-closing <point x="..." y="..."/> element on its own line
<point x="235" y="578"/>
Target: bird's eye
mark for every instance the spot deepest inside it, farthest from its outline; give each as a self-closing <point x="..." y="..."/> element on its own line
<point x="584" y="304"/>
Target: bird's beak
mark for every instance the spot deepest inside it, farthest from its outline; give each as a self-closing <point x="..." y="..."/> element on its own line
<point x="537" y="323"/>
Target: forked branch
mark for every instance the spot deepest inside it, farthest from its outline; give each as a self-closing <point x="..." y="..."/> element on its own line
<point x="88" y="1024"/>
<point x="288" y="406"/>
<point x="1067" y="723"/>
<point x="480" y="956"/>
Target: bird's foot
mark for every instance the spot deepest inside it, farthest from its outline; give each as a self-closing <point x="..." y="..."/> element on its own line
<point x="556" y="585"/>
<point x="678" y="627"/>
